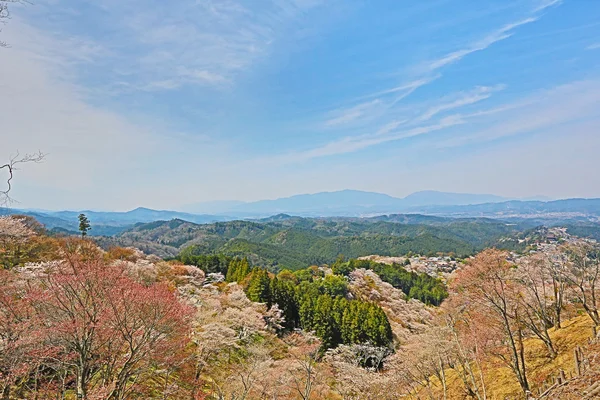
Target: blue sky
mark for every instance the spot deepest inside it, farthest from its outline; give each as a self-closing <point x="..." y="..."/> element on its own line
<point x="163" y="104"/>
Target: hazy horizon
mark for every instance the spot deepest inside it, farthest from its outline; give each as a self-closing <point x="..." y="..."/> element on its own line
<point x="164" y="105"/>
<point x="188" y="208"/>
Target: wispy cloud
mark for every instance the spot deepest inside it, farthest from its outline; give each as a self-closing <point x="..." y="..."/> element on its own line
<point x="463" y="99"/>
<point x="503" y="33"/>
<point x="405" y="88"/>
<point x="543" y="4"/>
<point x="354" y="143"/>
<point x="382" y="111"/>
<point x="190" y="42"/>
<point x="345" y="116"/>
<point x="544" y="110"/>
<point x="370" y="110"/>
<point x="594" y="46"/>
<point x="80" y="137"/>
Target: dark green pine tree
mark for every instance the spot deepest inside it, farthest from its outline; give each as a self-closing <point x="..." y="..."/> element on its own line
<point x="238" y="269"/>
<point x="232" y="270"/>
<point x="282" y="294"/>
<point x="259" y="287"/>
<point x="84" y="225"/>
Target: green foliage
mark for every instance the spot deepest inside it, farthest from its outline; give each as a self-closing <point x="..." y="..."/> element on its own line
<point x="238" y="270"/>
<point x="422" y="287"/>
<point x="259" y="287"/>
<point x="334" y="285"/>
<point x="297" y="242"/>
<point x="208" y="263"/>
<point x="318" y="303"/>
<point x="84" y="225"/>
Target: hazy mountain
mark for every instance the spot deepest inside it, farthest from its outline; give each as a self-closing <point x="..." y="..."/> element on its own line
<point x="212" y="207"/>
<point x="343" y="203"/>
<point x="431" y="197"/>
<point x="565" y="209"/>
<point x="325" y="203"/>
<point x="109" y="223"/>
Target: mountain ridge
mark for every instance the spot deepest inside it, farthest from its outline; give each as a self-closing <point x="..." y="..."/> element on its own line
<point x="342" y="204"/>
<point x="347" y="200"/>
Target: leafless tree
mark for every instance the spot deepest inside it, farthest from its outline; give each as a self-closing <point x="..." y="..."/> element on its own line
<point x="537" y="298"/>
<point x="583" y="273"/>
<point x="5" y="14"/>
<point x="13" y="165"/>
<point x="487" y="284"/>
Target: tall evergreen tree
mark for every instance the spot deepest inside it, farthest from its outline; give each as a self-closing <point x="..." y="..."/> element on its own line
<point x="84" y="225"/>
<point x="259" y="287"/>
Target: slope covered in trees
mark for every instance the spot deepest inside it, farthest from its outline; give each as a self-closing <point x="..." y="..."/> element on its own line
<point x="77" y="321"/>
<point x="422" y="287"/>
<point x="295" y="242"/>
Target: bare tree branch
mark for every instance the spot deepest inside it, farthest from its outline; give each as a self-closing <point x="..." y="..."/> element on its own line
<point x="5" y="14"/>
<point x="13" y="165"/>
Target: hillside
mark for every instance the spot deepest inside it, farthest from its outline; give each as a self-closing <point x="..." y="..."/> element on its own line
<point x="357" y="329"/>
<point x="576" y="333"/>
<point x="294" y="242"/>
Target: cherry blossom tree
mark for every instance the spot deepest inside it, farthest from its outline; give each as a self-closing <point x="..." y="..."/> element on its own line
<point x="583" y="272"/>
<point x="16" y="341"/>
<point x="537" y="296"/>
<point x="487" y="287"/>
<point x="108" y="331"/>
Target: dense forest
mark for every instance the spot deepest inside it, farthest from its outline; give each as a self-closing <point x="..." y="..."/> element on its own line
<point x="309" y="300"/>
<point x="295" y="243"/>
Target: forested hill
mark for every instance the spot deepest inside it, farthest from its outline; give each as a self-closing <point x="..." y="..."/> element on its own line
<point x="294" y="242"/>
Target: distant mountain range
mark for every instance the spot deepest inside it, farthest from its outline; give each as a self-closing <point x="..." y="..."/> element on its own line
<point x="342" y="203"/>
<point x="345" y="203"/>
<point x="110" y="223"/>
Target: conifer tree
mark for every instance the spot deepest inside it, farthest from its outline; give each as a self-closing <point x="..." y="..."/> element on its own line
<point x="259" y="288"/>
<point x="84" y="225"/>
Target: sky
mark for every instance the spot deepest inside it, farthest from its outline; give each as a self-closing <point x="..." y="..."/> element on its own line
<point x="165" y="104"/>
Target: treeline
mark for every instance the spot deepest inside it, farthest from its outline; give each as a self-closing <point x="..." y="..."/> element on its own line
<point x="309" y="300"/>
<point x="209" y="263"/>
<point x="422" y="287"/>
<point x="297" y="242"/>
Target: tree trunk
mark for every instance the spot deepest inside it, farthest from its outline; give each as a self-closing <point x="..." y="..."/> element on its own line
<point x="593" y="313"/>
<point x="81" y="389"/>
<point x="523" y="378"/>
<point x="551" y="350"/>
<point x="443" y="378"/>
<point x="6" y="392"/>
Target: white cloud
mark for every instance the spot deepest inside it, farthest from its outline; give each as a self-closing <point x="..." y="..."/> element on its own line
<point x="543" y="4"/>
<point x="95" y="157"/>
<point x="478" y="45"/>
<point x="388" y="99"/>
<point x="159" y="46"/>
<point x="406" y="88"/>
<point x="544" y="110"/>
<point x="354" y="143"/>
<point x="594" y="46"/>
<point x="389" y="130"/>
<point x="464" y="99"/>
<point x="541" y="111"/>
<point x="371" y="110"/>
<point x="345" y="116"/>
